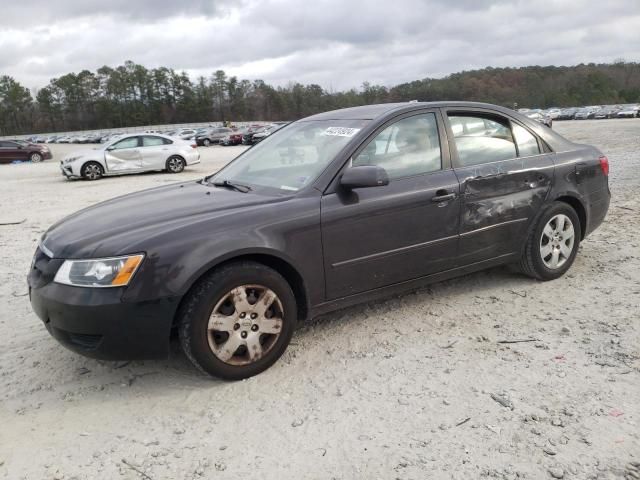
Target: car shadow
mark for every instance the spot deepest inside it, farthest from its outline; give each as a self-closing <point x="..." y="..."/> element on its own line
<point x="177" y="371"/>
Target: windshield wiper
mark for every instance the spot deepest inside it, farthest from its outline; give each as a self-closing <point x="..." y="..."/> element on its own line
<point x="235" y="186"/>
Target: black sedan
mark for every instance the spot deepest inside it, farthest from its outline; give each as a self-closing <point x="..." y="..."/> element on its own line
<point x="335" y="209"/>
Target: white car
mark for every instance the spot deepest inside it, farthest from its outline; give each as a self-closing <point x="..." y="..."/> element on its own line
<point x="131" y="153"/>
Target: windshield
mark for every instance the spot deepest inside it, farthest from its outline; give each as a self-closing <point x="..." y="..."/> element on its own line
<point x="292" y="157"/>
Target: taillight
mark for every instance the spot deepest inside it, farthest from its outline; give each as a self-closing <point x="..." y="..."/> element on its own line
<point x="604" y="165"/>
<point x="193" y="145"/>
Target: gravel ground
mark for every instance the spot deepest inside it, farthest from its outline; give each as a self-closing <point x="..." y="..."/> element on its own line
<point x="415" y="387"/>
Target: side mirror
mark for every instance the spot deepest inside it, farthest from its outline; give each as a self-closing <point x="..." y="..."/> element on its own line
<point x="364" y="176"/>
<point x="110" y="148"/>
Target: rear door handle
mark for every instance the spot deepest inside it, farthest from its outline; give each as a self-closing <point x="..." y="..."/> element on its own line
<point x="443" y="196"/>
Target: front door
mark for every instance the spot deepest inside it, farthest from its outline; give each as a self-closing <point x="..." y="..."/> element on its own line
<point x="378" y="236"/>
<point x="124" y="155"/>
<point x="505" y="176"/>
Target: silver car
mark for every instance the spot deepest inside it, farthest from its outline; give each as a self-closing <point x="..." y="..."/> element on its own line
<point x="133" y="153"/>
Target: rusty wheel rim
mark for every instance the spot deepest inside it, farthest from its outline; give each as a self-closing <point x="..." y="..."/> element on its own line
<point x="245" y="324"/>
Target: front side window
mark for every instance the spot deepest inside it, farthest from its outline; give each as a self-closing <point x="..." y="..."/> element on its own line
<point x="527" y="143"/>
<point x="293" y="157"/>
<point x="152" y="141"/>
<point x="408" y="147"/>
<point x="481" y="139"/>
<point x="130" y="142"/>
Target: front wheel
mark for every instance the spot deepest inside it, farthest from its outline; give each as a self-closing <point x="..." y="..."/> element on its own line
<point x="175" y="164"/>
<point x="92" y="171"/>
<point x="238" y="320"/>
<point x="553" y="244"/>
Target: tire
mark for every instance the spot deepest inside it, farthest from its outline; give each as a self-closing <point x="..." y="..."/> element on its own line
<point x="92" y="171"/>
<point x="35" y="157"/>
<point x="550" y="251"/>
<point x="206" y="142"/>
<point x="175" y="164"/>
<point x="216" y="346"/>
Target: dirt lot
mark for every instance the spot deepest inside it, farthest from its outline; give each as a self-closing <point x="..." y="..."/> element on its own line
<point x="415" y="387"/>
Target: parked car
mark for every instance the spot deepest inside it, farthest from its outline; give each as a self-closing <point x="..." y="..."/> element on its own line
<point x="132" y="153"/>
<point x="247" y="137"/>
<point x="11" y="150"/>
<point x="628" y="112"/>
<point x="212" y="135"/>
<point x="584" y="114"/>
<point x="608" y="112"/>
<point x="185" y="133"/>
<point x="553" y="113"/>
<point x="264" y="133"/>
<point x="540" y="117"/>
<point x="338" y="208"/>
<point x="234" y="138"/>
<point x="567" y="114"/>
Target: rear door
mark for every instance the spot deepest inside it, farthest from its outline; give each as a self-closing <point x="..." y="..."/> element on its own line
<point x="378" y="236"/>
<point x="505" y="173"/>
<point x="154" y="152"/>
<point x="124" y="156"/>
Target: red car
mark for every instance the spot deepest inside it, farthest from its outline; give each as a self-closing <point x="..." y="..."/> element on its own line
<point x="11" y="150"/>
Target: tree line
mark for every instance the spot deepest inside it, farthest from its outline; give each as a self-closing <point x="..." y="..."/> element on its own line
<point x="133" y="95"/>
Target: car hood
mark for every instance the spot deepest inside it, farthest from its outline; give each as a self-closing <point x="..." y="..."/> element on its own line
<point x="123" y="225"/>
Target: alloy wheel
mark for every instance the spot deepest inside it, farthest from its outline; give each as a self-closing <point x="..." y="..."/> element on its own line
<point x="245" y="324"/>
<point x="36" y="157"/>
<point x="175" y="164"/>
<point x="92" y="172"/>
<point x="557" y="241"/>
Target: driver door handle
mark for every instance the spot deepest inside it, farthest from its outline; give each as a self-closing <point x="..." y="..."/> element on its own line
<point x="443" y="196"/>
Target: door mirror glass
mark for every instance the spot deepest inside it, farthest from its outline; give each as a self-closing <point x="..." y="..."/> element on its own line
<point x="364" y="176"/>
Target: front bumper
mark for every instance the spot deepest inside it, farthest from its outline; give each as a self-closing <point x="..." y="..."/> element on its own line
<point x="95" y="322"/>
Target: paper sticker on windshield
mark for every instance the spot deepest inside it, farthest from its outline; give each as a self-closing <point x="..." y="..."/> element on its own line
<point x="341" y="131"/>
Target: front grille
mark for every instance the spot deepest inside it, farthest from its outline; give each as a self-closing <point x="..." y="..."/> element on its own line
<point x="75" y="341"/>
<point x="85" y="341"/>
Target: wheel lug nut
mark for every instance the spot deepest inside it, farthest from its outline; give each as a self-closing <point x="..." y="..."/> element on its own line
<point x="242" y="315"/>
<point x="254" y="328"/>
<point x="243" y="334"/>
<point x="254" y="316"/>
<point x="236" y="326"/>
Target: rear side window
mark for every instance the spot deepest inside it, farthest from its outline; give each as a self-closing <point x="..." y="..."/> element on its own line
<point x="152" y="141"/>
<point x="527" y="143"/>
<point x="408" y="147"/>
<point x="482" y="140"/>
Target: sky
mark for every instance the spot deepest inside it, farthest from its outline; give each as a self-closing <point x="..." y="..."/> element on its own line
<point x="337" y="44"/>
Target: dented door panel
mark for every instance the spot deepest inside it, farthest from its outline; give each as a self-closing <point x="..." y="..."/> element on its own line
<point x="499" y="201"/>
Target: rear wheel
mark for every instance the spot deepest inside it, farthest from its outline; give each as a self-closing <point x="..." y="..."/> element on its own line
<point x="206" y="142"/>
<point x="92" y="171"/>
<point x="238" y="320"/>
<point x="175" y="164"/>
<point x="35" y="157"/>
<point x="553" y="244"/>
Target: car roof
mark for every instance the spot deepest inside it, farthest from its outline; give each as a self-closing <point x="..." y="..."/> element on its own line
<point x="384" y="111"/>
<point x="371" y="112"/>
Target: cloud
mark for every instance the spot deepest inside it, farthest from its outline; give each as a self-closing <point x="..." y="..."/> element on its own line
<point x="333" y="43"/>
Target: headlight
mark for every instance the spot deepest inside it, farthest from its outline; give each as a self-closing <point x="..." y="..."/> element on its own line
<point x="99" y="272"/>
<point x="71" y="159"/>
